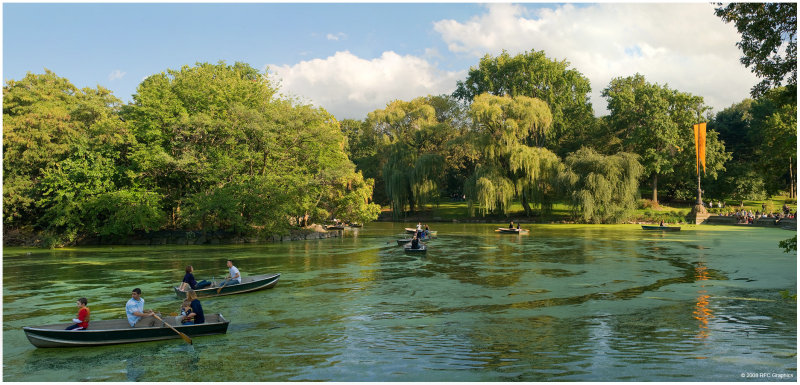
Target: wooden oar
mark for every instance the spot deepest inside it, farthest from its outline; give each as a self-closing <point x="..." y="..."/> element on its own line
<point x="223" y="285"/>
<point x="184" y="336"/>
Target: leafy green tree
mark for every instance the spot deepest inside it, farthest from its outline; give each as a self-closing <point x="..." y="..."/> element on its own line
<point x="564" y="90"/>
<point x="64" y="148"/>
<point x="226" y="153"/>
<point x="774" y="125"/>
<point x="413" y="149"/>
<point x="601" y="188"/>
<point x="656" y="122"/>
<point x="508" y="167"/>
<point x="769" y="42"/>
<point x="364" y="148"/>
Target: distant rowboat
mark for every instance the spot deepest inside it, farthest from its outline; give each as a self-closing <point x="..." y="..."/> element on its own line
<point x="412" y="231"/>
<point x="422" y="248"/>
<point x="251" y="283"/>
<point x="511" y="230"/>
<point x="661" y="228"/>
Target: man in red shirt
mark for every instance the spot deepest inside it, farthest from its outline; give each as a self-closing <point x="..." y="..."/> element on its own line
<point x="82" y="322"/>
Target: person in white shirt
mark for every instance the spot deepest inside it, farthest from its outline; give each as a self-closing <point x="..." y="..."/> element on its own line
<point x="134" y="309"/>
<point x="233" y="277"/>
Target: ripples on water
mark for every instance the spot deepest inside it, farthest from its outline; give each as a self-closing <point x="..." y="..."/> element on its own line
<point x="566" y="303"/>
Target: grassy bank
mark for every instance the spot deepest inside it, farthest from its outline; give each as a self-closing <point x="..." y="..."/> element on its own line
<point x="674" y="212"/>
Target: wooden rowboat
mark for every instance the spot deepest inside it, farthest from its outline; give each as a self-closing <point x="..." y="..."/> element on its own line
<point x="251" y="283"/>
<point x="422" y="248"/>
<point x="118" y="331"/>
<point x="662" y="228"/>
<point x="511" y="230"/>
<point x="413" y="231"/>
<point x="335" y="227"/>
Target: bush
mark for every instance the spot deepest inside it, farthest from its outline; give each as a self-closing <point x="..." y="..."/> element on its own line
<point x="790" y="201"/>
<point x="647" y="204"/>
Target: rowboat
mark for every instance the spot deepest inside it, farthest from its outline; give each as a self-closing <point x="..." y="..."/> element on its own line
<point x="251" y="283"/>
<point x="662" y="228"/>
<point x="511" y="230"/>
<point x="118" y="331"/>
<point x="422" y="248"/>
<point x="334" y="227"/>
<point x="412" y="231"/>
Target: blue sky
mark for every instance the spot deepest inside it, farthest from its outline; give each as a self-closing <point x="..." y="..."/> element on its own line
<point x="354" y="58"/>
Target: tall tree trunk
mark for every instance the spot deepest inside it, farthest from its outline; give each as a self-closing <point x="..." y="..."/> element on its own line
<point x="792" y="184"/>
<point x="655" y="188"/>
<point x="526" y="206"/>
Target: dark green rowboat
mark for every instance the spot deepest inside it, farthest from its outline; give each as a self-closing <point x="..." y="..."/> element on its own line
<point x="662" y="228"/>
<point x="118" y="331"/>
<point x="251" y="283"/>
<point x="422" y="248"/>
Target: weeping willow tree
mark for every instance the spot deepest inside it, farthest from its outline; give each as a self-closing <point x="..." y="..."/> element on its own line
<point x="601" y="188"/>
<point x="413" y="165"/>
<point x="508" y="133"/>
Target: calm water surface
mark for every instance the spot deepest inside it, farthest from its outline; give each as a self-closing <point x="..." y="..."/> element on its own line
<point x="565" y="303"/>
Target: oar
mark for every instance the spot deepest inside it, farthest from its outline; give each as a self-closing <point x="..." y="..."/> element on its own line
<point x="223" y="285"/>
<point x="184" y="336"/>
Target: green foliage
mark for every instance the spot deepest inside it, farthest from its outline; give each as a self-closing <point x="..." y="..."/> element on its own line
<point x="769" y="42"/>
<point x="656" y="122"/>
<point x="789" y="245"/>
<point x="601" y="188"/>
<point x="419" y="144"/>
<point x="762" y="135"/>
<point x="63" y="149"/>
<point x="564" y="91"/>
<point x="508" y="167"/>
<point x="208" y="147"/>
<point x="120" y="213"/>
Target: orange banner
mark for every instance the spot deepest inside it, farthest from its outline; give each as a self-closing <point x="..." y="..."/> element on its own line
<point x="702" y="146"/>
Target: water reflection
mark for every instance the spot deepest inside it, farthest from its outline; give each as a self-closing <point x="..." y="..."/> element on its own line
<point x="565" y="303"/>
<point x="702" y="312"/>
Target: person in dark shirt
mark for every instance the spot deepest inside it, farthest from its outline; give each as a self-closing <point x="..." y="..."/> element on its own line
<point x="190" y="283"/>
<point x="415" y="243"/>
<point x="196" y="316"/>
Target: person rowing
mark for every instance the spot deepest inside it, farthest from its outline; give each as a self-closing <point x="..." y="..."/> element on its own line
<point x="233" y="277"/>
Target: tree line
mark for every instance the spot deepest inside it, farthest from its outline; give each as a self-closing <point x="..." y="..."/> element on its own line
<point x="522" y="128"/>
<point x="209" y="147"/>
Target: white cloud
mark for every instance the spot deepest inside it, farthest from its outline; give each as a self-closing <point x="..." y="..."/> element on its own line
<point x="116" y="75"/>
<point x="335" y="37"/>
<point x="350" y="87"/>
<point x="683" y="45"/>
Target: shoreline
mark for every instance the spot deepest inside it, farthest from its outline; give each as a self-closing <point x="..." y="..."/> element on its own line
<point x="312" y="232"/>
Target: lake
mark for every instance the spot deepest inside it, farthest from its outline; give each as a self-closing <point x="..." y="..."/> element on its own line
<point x="563" y="303"/>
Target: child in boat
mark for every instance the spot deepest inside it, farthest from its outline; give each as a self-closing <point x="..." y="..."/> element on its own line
<point x="186" y="309"/>
<point x="82" y="322"/>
